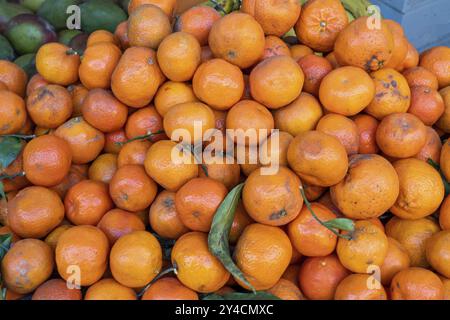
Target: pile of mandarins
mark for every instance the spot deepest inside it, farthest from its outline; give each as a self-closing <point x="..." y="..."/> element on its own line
<point x="359" y="208"/>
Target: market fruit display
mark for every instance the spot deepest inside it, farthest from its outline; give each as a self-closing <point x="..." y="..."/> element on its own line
<point x="272" y="150"/>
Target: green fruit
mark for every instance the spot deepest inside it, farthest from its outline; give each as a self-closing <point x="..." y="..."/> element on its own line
<point x="101" y="14"/>
<point x="33" y="5"/>
<point x="28" y="32"/>
<point x="9" y="11"/>
<point x="65" y="36"/>
<point x="6" y="49"/>
<point x="124" y="4"/>
<point x="28" y="63"/>
<point x="55" y="12"/>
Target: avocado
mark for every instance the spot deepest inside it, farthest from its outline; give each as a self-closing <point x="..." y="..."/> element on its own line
<point x="101" y="14"/>
<point x="6" y="49"/>
<point x="28" y="63"/>
<point x="55" y="12"/>
<point x="8" y="11"/>
<point x="27" y="32"/>
<point x="65" y="36"/>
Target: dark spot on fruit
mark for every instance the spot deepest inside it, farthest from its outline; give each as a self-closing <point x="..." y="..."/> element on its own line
<point x="278" y="215"/>
<point x="231" y="54"/>
<point x="196" y="214"/>
<point x="168" y="203"/>
<point x="394" y="83"/>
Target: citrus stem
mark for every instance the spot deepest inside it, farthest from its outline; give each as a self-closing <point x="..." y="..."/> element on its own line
<point x="10" y="177"/>
<point x="20" y="136"/>
<point x="159" y="276"/>
<point x="142" y="137"/>
<point x="308" y="205"/>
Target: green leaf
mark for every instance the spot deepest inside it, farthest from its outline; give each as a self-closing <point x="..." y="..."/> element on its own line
<point x="5" y="243"/>
<point x="219" y="234"/>
<point x="2" y="191"/>
<point x="9" y="150"/>
<point x="258" y="295"/>
<point x="341" y="224"/>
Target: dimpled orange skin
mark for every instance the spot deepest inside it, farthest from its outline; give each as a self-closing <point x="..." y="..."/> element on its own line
<point x="109" y="289"/>
<point x="445" y="160"/>
<point x="400" y="49"/>
<point x="136" y="77"/>
<point x="342" y="128"/>
<point x="444" y="214"/>
<point x="103" y="168"/>
<point x="397" y="259"/>
<point x="197" y="201"/>
<point x="355" y="287"/>
<point x="197" y="21"/>
<point x="85" y="141"/>
<point x="121" y="34"/>
<point x="275" y="82"/>
<point x="133" y="152"/>
<point x="346" y="90"/>
<point x="308" y="236"/>
<point x="50" y="106"/>
<point x="419" y="76"/>
<point x="78" y="93"/>
<point x="437" y="60"/>
<point x="35" y="82"/>
<point x="145" y="121"/>
<point x="87" y="202"/>
<point x="315" y="69"/>
<point x="432" y="147"/>
<point x="103" y="111"/>
<point x="136" y="259"/>
<point x="167" y="6"/>
<point x="227" y="173"/>
<point x="392" y="94"/>
<point x="13" y="77"/>
<point x="169" y="289"/>
<point x="413" y="235"/>
<point x="412" y="57"/>
<point x="318" y="158"/>
<point x="179" y="56"/>
<point x="172" y="93"/>
<point x="46" y="160"/>
<point x="53" y="237"/>
<point x="57" y="64"/>
<point x="438" y="252"/>
<point x="274" y="46"/>
<point x="367" y="129"/>
<point x="27" y="265"/>
<point x="185" y="116"/>
<point x="319" y="277"/>
<point x="76" y="174"/>
<point x="421" y="189"/>
<point x="167" y="173"/>
<point x="273" y="200"/>
<point x="320" y="23"/>
<point x="360" y="46"/>
<point x="286" y="290"/>
<point x="401" y="135"/>
<point x="117" y="223"/>
<point x="369" y="189"/>
<point x="34" y="212"/>
<point x="368" y="246"/>
<point x="86" y="247"/>
<point x="444" y="122"/>
<point x="259" y="249"/>
<point x="416" y="284"/>
<point x="198" y="269"/>
<point x="250" y="115"/>
<point x="276" y="17"/>
<point x="276" y="145"/>
<point x="164" y="218"/>
<point x="56" y="289"/>
<point x="131" y="189"/>
<point x="301" y="115"/>
<point x="237" y="38"/>
<point x="13" y="113"/>
<point x="219" y="84"/>
<point x="427" y="104"/>
<point x="148" y="25"/>
<point x="98" y="63"/>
